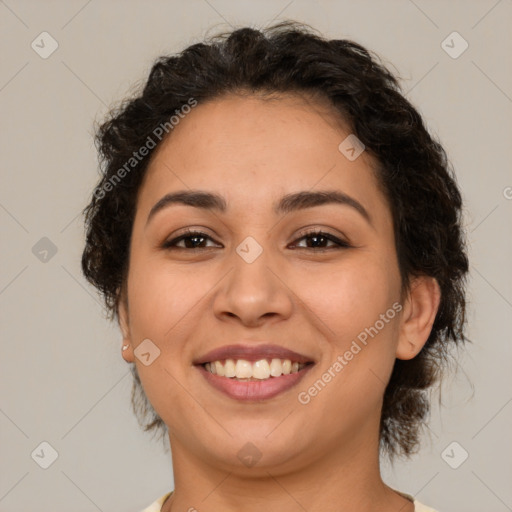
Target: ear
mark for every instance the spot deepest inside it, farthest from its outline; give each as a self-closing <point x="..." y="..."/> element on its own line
<point x="418" y="316"/>
<point x="124" y="325"/>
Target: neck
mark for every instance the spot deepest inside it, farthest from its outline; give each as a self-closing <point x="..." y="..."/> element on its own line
<point x="348" y="476"/>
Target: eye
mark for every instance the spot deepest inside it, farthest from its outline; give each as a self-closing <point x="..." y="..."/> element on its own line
<point x="320" y="237"/>
<point x="196" y="239"/>
<point x="191" y="239"/>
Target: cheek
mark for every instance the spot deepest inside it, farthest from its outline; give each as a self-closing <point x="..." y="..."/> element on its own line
<point x="351" y="296"/>
<point x="358" y="303"/>
<point x="161" y="301"/>
<point x="161" y="296"/>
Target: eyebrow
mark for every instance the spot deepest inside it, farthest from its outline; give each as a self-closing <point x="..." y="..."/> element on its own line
<point x="288" y="203"/>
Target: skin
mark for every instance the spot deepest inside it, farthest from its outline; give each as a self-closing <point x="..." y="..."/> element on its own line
<point x="322" y="456"/>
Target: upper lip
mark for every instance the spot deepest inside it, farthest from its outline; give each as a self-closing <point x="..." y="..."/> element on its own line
<point x="252" y="353"/>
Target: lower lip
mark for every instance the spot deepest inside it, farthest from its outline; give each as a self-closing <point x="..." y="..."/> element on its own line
<point x="254" y="390"/>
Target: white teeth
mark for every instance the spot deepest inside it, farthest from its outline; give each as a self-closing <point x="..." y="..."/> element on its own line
<point x="276" y="367"/>
<point x="262" y="369"/>
<point x="219" y="368"/>
<point x="229" y="368"/>
<point x="243" y="369"/>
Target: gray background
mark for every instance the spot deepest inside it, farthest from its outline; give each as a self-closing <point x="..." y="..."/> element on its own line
<point x="63" y="378"/>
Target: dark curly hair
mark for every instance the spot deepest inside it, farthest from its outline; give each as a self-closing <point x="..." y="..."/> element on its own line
<point x="412" y="170"/>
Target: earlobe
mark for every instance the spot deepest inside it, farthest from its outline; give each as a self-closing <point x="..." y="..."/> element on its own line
<point x="126" y="349"/>
<point x="418" y="316"/>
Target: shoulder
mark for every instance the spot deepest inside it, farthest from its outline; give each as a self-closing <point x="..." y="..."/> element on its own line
<point x="156" y="506"/>
<point x="418" y="507"/>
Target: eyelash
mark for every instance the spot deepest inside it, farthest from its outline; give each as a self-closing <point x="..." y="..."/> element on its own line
<point x="341" y="244"/>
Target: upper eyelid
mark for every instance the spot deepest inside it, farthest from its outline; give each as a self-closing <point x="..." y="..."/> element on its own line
<point x="185" y="234"/>
<point x="299" y="236"/>
<point x="302" y="232"/>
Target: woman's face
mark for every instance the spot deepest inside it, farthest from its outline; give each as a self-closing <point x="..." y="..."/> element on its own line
<point x="253" y="279"/>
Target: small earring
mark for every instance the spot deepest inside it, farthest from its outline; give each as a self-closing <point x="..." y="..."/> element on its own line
<point x="125" y="346"/>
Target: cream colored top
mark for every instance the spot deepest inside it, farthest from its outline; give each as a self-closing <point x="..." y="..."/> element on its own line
<point x="156" y="506"/>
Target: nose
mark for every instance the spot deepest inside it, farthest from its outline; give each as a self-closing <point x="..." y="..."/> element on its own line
<point x="253" y="292"/>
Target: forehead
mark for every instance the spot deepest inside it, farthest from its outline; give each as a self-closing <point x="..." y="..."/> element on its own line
<point x="253" y="151"/>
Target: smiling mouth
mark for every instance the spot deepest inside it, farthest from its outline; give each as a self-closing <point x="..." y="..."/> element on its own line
<point x="253" y="372"/>
<point x="243" y="370"/>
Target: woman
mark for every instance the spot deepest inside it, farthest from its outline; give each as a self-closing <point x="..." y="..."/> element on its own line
<point x="279" y="238"/>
